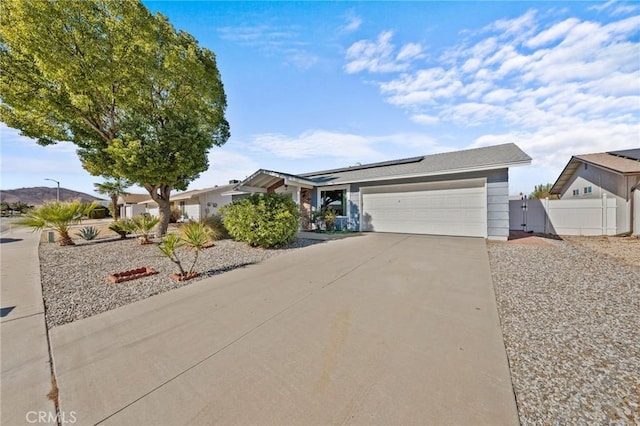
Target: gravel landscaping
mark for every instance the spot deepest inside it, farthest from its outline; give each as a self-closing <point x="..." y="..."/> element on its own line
<point x="571" y="323"/>
<point x="74" y="278"/>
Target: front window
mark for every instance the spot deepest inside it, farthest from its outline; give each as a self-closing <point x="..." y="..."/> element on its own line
<point x="335" y="200"/>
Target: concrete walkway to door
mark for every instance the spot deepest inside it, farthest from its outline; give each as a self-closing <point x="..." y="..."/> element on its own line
<point x="374" y="329"/>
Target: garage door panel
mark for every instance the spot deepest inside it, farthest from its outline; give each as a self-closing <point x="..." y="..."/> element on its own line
<point x="453" y="211"/>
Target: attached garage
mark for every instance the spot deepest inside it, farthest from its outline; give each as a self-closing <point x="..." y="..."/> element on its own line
<point x="457" y="208"/>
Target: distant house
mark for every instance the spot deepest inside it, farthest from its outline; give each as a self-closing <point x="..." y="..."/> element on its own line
<point x="461" y="193"/>
<point x="202" y="203"/>
<point x="194" y="205"/>
<point x="129" y="207"/>
<point x="614" y="174"/>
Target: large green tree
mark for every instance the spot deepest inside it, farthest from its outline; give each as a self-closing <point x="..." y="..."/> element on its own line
<point x="141" y="101"/>
<point x="542" y="191"/>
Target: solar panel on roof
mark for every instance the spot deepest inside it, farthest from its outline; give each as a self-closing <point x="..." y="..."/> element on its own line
<point x="631" y="154"/>
<point x="367" y="166"/>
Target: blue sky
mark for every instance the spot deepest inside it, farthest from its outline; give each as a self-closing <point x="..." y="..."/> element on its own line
<point x="317" y="85"/>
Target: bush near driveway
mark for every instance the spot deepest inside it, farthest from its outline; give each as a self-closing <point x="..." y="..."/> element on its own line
<point x="265" y="220"/>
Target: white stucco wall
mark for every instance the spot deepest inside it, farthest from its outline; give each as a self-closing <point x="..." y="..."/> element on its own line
<point x="211" y="203"/>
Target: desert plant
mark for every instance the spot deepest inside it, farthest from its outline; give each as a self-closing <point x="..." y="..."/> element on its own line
<point x="266" y="220"/>
<point x="122" y="227"/>
<point x="194" y="236"/>
<point x="216" y="223"/>
<point x="175" y="215"/>
<point x="329" y="216"/>
<point x="88" y="233"/>
<point x="58" y="216"/>
<point x="169" y="247"/>
<point x="114" y="189"/>
<point x="143" y="224"/>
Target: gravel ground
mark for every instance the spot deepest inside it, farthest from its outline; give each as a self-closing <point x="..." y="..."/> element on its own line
<point x="74" y="278"/>
<point x="571" y="323"/>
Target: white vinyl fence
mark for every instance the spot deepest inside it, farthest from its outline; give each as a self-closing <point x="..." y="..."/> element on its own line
<point x="564" y="217"/>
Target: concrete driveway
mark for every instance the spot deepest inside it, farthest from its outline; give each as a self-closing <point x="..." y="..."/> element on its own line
<point x="373" y="329"/>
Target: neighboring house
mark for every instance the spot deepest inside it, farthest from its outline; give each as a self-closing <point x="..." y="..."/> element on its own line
<point x="462" y="193"/>
<point x="614" y="174"/>
<point x="129" y="205"/>
<point x="202" y="203"/>
<point x="196" y="204"/>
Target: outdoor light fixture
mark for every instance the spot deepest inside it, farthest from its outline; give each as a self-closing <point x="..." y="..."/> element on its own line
<point x="58" y="190"/>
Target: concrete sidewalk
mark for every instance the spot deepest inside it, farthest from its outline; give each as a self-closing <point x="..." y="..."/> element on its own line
<point x="375" y="329"/>
<point x="26" y="371"/>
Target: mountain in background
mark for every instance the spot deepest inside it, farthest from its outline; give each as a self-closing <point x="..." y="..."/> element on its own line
<point x="40" y="195"/>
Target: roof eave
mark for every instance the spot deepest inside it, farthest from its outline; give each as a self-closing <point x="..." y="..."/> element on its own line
<point x="437" y="173"/>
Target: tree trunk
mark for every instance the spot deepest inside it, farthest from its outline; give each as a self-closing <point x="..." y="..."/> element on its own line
<point x="160" y="194"/>
<point x="65" y="239"/>
<point x="114" y="207"/>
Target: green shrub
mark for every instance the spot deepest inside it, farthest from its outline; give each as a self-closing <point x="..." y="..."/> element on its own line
<point x="122" y="227"/>
<point x="98" y="213"/>
<point x="88" y="233"/>
<point x="216" y="223"/>
<point x="176" y="214"/>
<point x="265" y="220"/>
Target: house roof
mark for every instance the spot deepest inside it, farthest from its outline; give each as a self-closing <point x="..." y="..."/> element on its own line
<point x="197" y="192"/>
<point x="263" y="179"/>
<point x="132" y="198"/>
<point x="186" y="195"/>
<point x="612" y="161"/>
<point x="486" y="158"/>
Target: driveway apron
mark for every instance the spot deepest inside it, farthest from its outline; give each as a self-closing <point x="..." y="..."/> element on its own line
<point x="373" y="329"/>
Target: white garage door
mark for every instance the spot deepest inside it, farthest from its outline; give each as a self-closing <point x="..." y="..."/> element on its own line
<point x="446" y="208"/>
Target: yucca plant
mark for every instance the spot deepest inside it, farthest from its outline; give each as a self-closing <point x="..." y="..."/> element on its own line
<point x="194" y="236"/>
<point x="169" y="247"/>
<point x="122" y="227"/>
<point x="143" y="225"/>
<point x="59" y="217"/>
<point x="88" y="233"/>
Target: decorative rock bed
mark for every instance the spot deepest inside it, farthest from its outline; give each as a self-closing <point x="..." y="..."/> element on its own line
<point x="73" y="277"/>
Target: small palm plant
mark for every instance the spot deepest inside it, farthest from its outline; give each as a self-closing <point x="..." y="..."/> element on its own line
<point x="193" y="236"/>
<point x="122" y="227"/>
<point x="143" y="224"/>
<point x="59" y="217"/>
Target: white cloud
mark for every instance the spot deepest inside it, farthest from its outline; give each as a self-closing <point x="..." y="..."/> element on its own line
<point x="556" y="87"/>
<point x="552" y="34"/>
<point x="353" y="23"/>
<point x="346" y="148"/>
<point x="425" y="119"/>
<point x="409" y="51"/>
<point x="614" y="8"/>
<point x="314" y="143"/>
<point x="225" y="165"/>
<point x="285" y="42"/>
<point x="378" y="56"/>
